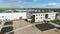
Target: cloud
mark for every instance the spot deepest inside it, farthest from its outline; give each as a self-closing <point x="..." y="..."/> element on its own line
<point x="25" y="4"/>
<point x="47" y="5"/>
<point x="53" y="4"/>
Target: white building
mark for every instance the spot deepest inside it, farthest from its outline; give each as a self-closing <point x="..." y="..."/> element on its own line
<point x="44" y="16"/>
<point x="10" y="15"/>
<point x="36" y="16"/>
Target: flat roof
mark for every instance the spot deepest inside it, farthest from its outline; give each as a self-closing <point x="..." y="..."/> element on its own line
<point x="28" y="11"/>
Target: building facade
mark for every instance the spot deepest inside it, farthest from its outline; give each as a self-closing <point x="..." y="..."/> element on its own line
<point x="10" y="15"/>
<point x="44" y="16"/>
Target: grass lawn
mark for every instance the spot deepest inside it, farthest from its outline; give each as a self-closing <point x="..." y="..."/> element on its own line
<point x="8" y="23"/>
<point x="56" y="21"/>
<point x="6" y="29"/>
<point x="44" y="27"/>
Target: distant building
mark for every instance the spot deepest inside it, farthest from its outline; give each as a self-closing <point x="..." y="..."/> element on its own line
<point x="34" y="15"/>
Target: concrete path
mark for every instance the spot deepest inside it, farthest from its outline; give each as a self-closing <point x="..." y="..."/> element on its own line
<point x="56" y="25"/>
<point x="28" y="30"/>
<point x="52" y="31"/>
<point x="1" y="25"/>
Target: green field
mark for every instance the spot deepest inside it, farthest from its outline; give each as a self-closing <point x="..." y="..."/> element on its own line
<point x="6" y="29"/>
<point x="2" y="9"/>
<point x="8" y="23"/>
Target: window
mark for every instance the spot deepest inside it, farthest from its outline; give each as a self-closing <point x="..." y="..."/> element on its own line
<point x="41" y="14"/>
<point x="36" y="18"/>
<point x="41" y="17"/>
<point x="36" y="15"/>
<point x="46" y="16"/>
<point x="2" y="16"/>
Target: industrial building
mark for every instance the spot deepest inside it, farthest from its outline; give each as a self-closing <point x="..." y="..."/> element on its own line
<point x="34" y="15"/>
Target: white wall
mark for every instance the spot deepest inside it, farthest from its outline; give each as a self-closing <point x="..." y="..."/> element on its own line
<point x="12" y="16"/>
<point x="41" y="16"/>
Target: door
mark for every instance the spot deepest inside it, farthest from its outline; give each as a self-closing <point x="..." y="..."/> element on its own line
<point x="46" y="16"/>
<point x="33" y="18"/>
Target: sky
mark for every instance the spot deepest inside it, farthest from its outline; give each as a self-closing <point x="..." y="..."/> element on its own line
<point x="29" y="3"/>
